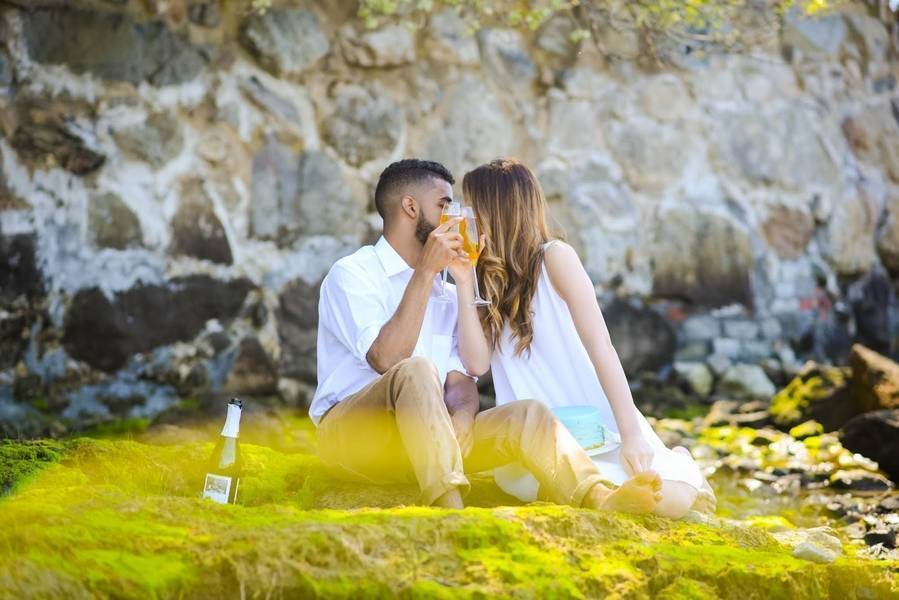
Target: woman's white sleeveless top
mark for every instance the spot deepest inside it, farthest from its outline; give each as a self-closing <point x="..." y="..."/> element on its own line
<point x="558" y="372"/>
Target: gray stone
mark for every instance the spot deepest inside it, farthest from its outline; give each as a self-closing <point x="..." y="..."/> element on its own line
<point x="692" y="351"/>
<point x="741" y="329"/>
<point x="726" y="347"/>
<point x="300" y="195"/>
<point x="111" y="46"/>
<point x="873" y="135"/>
<point x="51" y="144"/>
<point x="755" y="350"/>
<point x="389" y="46"/>
<point x="888" y="236"/>
<point x="206" y="13"/>
<point x="697" y="376"/>
<point x="366" y="124"/>
<point x="643" y="338"/>
<point x="652" y="155"/>
<point x="718" y="363"/>
<point x="745" y="382"/>
<point x="505" y="57"/>
<point x="665" y="98"/>
<point x="859" y="480"/>
<point x="555" y="37"/>
<point x="297" y="318"/>
<point x="105" y="332"/>
<point x="327" y="205"/>
<point x="449" y="41"/>
<point x="6" y="71"/>
<point x="253" y="372"/>
<point x="788" y="230"/>
<point x="196" y="229"/>
<point x="573" y="126"/>
<point x="875" y="435"/>
<point x="751" y="144"/>
<point x="871" y="36"/>
<point x="848" y="240"/>
<point x="475" y="129"/>
<point x="823" y="35"/>
<point x="111" y="224"/>
<point x="285" y="41"/>
<point x="269" y="100"/>
<point x="701" y="327"/>
<point x="703" y="257"/>
<point x="274" y="210"/>
<point x="155" y="142"/>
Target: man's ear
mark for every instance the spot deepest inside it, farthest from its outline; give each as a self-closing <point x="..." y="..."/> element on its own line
<point x="409" y="206"/>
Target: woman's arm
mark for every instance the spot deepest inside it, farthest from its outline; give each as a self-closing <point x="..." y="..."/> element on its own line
<point x="474" y="349"/>
<point x="571" y="281"/>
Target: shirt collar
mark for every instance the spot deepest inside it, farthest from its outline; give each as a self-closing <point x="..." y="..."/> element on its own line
<point x="392" y="262"/>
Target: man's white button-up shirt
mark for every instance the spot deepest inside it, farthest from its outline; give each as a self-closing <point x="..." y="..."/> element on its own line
<point x="358" y="296"/>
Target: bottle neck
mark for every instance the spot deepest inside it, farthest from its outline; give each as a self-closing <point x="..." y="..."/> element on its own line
<point x="232" y="422"/>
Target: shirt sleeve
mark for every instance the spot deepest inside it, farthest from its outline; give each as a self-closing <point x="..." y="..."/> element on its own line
<point x="352" y="309"/>
<point x="455" y="361"/>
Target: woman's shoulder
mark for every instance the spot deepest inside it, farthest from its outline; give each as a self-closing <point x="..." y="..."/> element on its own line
<point x="562" y="263"/>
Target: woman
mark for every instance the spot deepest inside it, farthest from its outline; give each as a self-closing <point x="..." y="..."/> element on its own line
<point x="548" y="337"/>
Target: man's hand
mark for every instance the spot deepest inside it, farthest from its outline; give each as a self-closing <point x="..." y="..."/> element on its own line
<point x="463" y="425"/>
<point x="442" y="248"/>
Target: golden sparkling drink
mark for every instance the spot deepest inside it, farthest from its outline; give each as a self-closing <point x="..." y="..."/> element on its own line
<point x="469" y="246"/>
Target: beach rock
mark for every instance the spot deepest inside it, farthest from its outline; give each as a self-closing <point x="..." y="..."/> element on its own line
<point x="297" y="318"/>
<point x="196" y="229"/>
<point x="111" y="224"/>
<point x="875" y="435"/>
<point x="697" y="376"/>
<point x="875" y="379"/>
<point x="745" y="382"/>
<point x="51" y="144"/>
<point x="859" y="480"/>
<point x="367" y="123"/>
<point x="643" y="338"/>
<point x="155" y="142"/>
<point x="505" y="57"/>
<point x="21" y="280"/>
<point x="285" y="41"/>
<point x="253" y="371"/>
<point x="818" y="392"/>
<point x="390" y="46"/>
<point x="112" y="46"/>
<point x="449" y="41"/>
<point x="872" y="301"/>
<point x="704" y="258"/>
<point x="106" y="332"/>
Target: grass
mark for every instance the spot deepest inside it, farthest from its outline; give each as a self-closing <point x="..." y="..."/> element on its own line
<point x="121" y="518"/>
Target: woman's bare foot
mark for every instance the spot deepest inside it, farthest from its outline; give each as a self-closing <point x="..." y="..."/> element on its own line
<point x="639" y="494"/>
<point x="705" y="502"/>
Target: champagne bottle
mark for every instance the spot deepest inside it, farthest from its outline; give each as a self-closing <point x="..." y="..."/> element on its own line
<point x="225" y="464"/>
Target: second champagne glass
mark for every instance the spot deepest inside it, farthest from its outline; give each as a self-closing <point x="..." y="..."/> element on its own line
<point x="450" y="210"/>
<point x="471" y="244"/>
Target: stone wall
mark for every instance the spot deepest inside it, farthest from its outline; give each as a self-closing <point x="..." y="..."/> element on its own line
<point x="174" y="188"/>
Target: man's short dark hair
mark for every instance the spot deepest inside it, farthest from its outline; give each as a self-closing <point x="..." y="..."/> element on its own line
<point x="402" y="174"/>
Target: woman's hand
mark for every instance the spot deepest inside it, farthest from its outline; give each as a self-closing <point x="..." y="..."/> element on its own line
<point x="636" y="454"/>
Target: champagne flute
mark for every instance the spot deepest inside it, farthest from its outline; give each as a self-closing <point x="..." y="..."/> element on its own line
<point x="471" y="244"/>
<point x="450" y="210"/>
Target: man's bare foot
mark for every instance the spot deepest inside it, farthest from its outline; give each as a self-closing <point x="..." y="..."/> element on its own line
<point x="451" y="499"/>
<point x="639" y="494"/>
<point x="705" y="502"/>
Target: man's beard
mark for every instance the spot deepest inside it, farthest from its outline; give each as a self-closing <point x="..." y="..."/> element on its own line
<point x="423" y="229"/>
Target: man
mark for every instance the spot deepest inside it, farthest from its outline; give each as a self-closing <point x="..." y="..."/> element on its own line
<point x="395" y="399"/>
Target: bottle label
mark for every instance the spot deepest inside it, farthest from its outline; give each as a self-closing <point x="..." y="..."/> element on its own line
<point x="217" y="488"/>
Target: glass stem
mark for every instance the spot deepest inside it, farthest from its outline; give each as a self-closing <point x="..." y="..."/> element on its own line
<point x="474" y="279"/>
<point x="443" y="284"/>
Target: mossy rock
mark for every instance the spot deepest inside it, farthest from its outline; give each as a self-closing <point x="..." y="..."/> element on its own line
<point x="818" y="392"/>
<point x="123" y="519"/>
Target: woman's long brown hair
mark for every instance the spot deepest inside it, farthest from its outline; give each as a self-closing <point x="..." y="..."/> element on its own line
<point x="511" y="211"/>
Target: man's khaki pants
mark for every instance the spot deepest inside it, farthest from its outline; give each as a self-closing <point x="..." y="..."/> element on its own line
<point x="398" y="429"/>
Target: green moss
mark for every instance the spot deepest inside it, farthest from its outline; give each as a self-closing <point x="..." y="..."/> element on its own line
<point x="688" y="413"/>
<point x="123" y="519"/>
<point x="807" y="429"/>
<point x="19" y="459"/>
<point x="791" y="405"/>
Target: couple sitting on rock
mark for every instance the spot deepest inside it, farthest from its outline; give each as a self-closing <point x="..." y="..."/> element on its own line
<point x="399" y="353"/>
